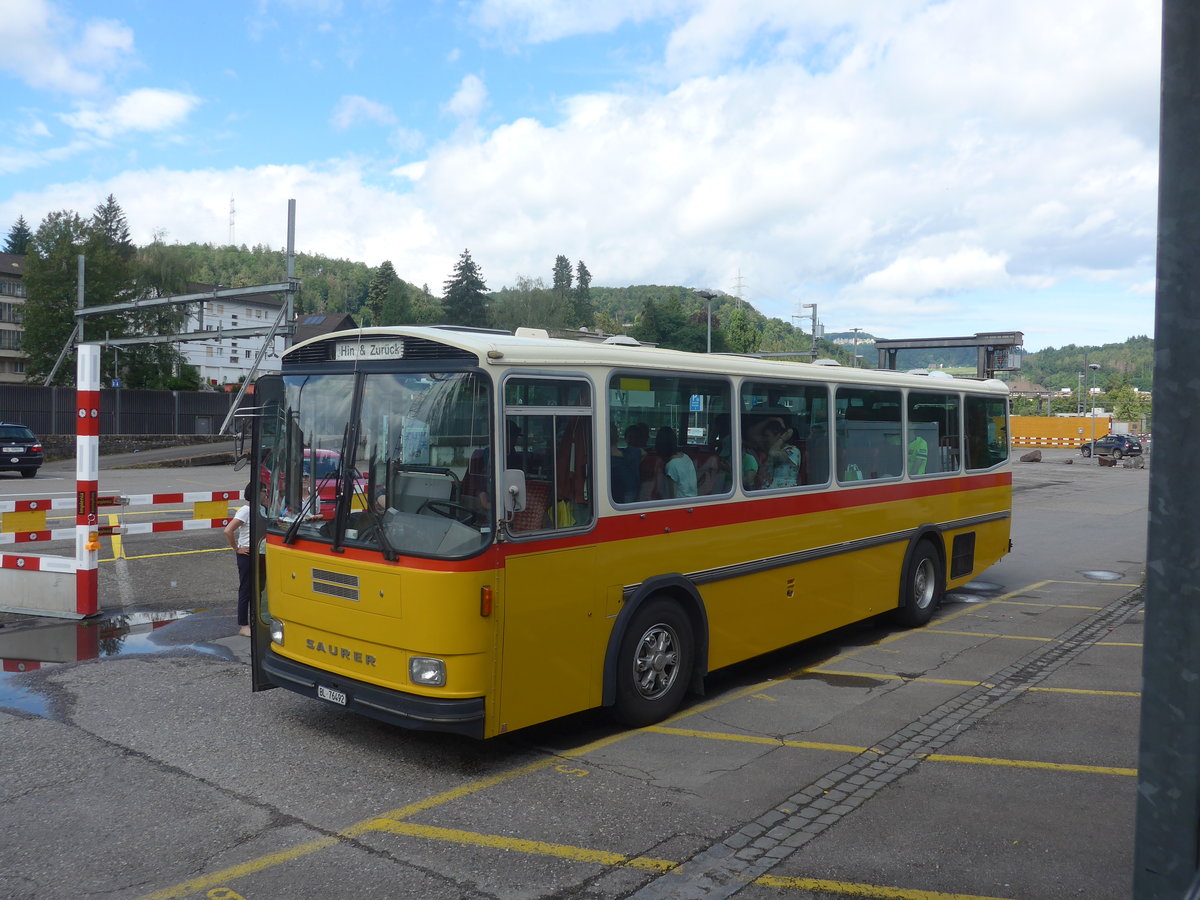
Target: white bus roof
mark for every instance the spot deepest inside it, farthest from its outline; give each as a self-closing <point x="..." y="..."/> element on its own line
<point x="499" y="348"/>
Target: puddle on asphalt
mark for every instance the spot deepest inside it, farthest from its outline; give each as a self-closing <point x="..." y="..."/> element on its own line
<point x="27" y="648"/>
<point x="1102" y="575"/>
<point x="839" y="680"/>
<point x="971" y="591"/>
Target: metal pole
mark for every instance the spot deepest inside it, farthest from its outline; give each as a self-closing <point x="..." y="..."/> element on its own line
<point x="290" y="296"/>
<point x="1166" y="856"/>
<point x="1092" y="410"/>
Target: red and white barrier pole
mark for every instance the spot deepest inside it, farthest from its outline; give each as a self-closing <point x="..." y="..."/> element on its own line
<point x="87" y="478"/>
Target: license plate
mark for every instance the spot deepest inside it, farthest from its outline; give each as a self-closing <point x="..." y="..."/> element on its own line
<point x="13" y="449"/>
<point x="331" y="695"/>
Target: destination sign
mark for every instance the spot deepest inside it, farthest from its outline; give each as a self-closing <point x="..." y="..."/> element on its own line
<point x="360" y="350"/>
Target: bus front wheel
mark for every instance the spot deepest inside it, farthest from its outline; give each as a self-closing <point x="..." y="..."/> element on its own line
<point x="655" y="663"/>
<point x="924" y="585"/>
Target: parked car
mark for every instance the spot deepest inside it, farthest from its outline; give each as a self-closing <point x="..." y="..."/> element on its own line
<point x="1114" y="445"/>
<point x="20" y="450"/>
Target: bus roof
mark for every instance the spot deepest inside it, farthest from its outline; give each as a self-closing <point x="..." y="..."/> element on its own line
<point x="501" y="348"/>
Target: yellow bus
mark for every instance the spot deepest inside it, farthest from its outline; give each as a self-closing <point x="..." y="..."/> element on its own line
<point x="515" y="528"/>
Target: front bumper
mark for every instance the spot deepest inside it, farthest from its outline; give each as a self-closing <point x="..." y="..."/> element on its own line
<point x="410" y="711"/>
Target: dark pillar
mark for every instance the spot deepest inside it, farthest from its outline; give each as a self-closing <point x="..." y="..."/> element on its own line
<point x="1168" y="815"/>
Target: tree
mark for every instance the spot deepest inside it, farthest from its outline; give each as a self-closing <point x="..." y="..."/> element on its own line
<point x="530" y="304"/>
<point x="561" y="285"/>
<point x="113" y="274"/>
<point x="465" y="297"/>
<point x="50" y="288"/>
<point x="426" y="308"/>
<point x="19" y="237"/>
<point x="740" y="332"/>
<point x="583" y="313"/>
<point x="383" y="287"/>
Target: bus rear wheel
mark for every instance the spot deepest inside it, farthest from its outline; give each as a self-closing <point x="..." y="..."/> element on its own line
<point x="923" y="587"/>
<point x="654" y="664"/>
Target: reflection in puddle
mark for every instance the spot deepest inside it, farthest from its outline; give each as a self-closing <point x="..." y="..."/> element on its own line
<point x="31" y="648"/>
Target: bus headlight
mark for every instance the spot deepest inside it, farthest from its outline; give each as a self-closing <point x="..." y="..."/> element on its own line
<point x="427" y="671"/>
<point x="276" y="632"/>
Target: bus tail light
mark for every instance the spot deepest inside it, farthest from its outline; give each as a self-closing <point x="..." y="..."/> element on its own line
<point x="427" y="671"/>
<point x="485" y="600"/>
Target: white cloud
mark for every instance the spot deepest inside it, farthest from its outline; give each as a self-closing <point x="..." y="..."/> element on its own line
<point x="41" y="47"/>
<point x="967" y="269"/>
<point x="353" y="109"/>
<point x="470" y="98"/>
<point x="978" y="164"/>
<point x="143" y="110"/>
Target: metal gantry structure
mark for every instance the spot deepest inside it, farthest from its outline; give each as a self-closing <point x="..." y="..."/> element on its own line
<point x="282" y="326"/>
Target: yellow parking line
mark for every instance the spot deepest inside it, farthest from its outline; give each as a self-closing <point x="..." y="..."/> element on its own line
<point x="882" y="677"/>
<point x="1051" y="605"/>
<point x="852" y="889"/>
<point x="926" y="680"/>
<point x="846" y="748"/>
<point x="754" y="739"/>
<point x="987" y="634"/>
<point x="1061" y="690"/>
<point x="390" y="821"/>
<point x="1031" y="764"/>
<point x="241" y="870"/>
<point x="521" y="845"/>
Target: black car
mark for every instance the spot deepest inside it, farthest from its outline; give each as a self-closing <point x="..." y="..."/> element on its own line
<point x="20" y="450"/>
<point x="1114" y="445"/>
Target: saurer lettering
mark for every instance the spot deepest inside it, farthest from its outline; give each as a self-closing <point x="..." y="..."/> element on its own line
<point x="345" y="653"/>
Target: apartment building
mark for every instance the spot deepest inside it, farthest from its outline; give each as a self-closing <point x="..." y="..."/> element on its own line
<point x="12" y="314"/>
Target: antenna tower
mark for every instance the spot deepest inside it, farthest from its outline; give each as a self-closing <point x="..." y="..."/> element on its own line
<point x="738" y="286"/>
<point x="231" y="217"/>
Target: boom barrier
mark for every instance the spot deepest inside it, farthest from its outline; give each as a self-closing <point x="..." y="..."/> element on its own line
<point x="25" y="522"/>
<point x="68" y="586"/>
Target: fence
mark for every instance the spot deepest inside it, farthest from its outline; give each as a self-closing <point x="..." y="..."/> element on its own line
<point x="51" y="410"/>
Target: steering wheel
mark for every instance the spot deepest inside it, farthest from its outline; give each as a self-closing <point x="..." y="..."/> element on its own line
<point x="448" y="509"/>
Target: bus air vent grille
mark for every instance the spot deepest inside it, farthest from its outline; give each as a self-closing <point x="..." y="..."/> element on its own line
<point x="335" y="584"/>
<point x="420" y="348"/>
<point x="414" y="348"/>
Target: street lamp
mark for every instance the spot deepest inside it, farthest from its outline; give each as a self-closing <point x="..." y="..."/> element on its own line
<point x="813" y="307"/>
<point x="707" y="295"/>
<point x="1094" y="367"/>
<point x="856" y="356"/>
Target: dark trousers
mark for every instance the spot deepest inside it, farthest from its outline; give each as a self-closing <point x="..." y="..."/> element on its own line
<point x="244" y="586"/>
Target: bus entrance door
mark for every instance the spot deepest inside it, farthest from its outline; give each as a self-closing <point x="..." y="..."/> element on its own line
<point x="550" y="615"/>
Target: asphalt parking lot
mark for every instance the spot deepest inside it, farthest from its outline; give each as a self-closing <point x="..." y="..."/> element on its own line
<point x="991" y="754"/>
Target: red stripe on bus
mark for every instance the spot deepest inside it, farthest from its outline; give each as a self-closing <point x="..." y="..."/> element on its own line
<point x="646" y="522"/>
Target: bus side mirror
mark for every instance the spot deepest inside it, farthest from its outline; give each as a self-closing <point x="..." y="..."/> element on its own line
<point x="513" y="494"/>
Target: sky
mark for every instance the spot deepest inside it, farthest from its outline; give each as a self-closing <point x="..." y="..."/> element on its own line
<point x="916" y="169"/>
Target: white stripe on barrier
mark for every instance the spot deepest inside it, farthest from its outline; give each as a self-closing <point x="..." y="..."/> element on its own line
<point x="63" y="564"/>
<point x="22" y="537"/>
<point x="34" y="505"/>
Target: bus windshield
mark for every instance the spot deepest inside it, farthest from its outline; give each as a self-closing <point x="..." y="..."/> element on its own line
<point x="395" y="462"/>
